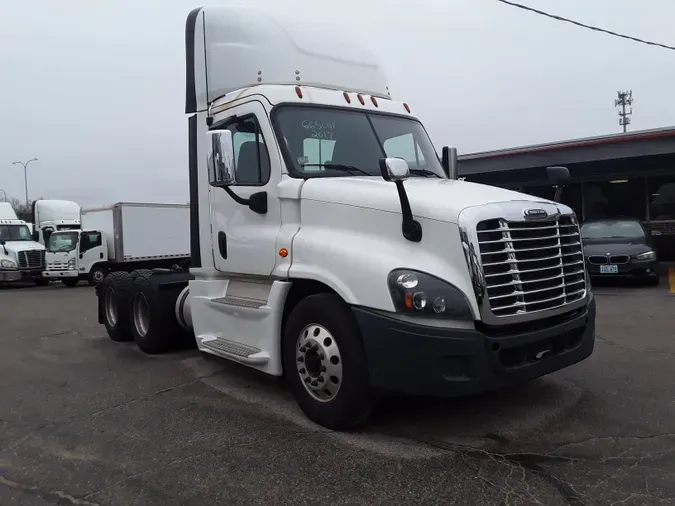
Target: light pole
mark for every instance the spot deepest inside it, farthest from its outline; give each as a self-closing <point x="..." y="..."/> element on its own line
<point x="4" y="195"/>
<point x="25" y="174"/>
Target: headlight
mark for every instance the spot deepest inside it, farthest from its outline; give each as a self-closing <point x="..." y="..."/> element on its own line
<point x="71" y="263"/>
<point x="647" y="255"/>
<point x="417" y="293"/>
<point x="9" y="264"/>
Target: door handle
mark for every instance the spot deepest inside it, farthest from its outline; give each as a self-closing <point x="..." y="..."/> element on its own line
<point x="222" y="244"/>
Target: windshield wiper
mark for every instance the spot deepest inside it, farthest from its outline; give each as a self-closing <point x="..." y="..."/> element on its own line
<point x="424" y="172"/>
<point x="338" y="166"/>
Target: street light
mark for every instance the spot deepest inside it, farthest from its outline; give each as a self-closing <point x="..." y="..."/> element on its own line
<point x="25" y="174"/>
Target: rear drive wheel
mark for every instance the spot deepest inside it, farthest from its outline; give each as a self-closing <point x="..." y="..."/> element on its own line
<point x="116" y="290"/>
<point x="96" y="275"/>
<point x="70" y="281"/>
<point x="152" y="319"/>
<point x="325" y="362"/>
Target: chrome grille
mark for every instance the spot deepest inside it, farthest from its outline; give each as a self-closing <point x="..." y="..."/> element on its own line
<point x="597" y="259"/>
<point x="607" y="259"/>
<point x="619" y="259"/>
<point x="31" y="259"/>
<point x="531" y="266"/>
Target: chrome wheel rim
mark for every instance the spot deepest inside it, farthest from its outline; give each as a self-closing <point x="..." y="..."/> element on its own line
<point x="98" y="276"/>
<point x="319" y="363"/>
<point x="110" y="307"/>
<point x="141" y="314"/>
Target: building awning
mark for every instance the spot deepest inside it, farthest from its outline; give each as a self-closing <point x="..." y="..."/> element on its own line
<point x="642" y="143"/>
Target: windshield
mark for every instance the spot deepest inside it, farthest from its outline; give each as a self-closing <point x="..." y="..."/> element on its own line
<point x="62" y="242"/>
<point x="612" y="230"/>
<point x="354" y="140"/>
<point x="15" y="233"/>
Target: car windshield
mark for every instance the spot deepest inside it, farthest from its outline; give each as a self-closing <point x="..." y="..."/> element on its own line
<point x="62" y="242"/>
<point x="15" y="233"/>
<point x="336" y="142"/>
<point x="612" y="230"/>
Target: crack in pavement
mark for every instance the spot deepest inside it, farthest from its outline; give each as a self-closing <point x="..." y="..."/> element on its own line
<point x="57" y="497"/>
<point x="104" y="409"/>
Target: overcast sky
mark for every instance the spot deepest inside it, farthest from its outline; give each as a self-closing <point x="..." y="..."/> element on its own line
<point x="95" y="90"/>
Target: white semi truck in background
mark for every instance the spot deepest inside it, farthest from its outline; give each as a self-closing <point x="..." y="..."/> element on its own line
<point x="52" y="215"/>
<point x="21" y="258"/>
<point x="332" y="245"/>
<point x="123" y="236"/>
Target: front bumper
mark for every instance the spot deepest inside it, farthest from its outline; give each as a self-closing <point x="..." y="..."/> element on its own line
<point x="439" y="361"/>
<point x="60" y="274"/>
<point x="633" y="269"/>
<point x="10" y="275"/>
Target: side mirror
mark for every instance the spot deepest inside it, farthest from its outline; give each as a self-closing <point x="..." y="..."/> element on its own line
<point x="35" y="236"/>
<point x="220" y="160"/>
<point x="558" y="175"/>
<point x="2" y="242"/>
<point x="449" y="162"/>
<point x="394" y="169"/>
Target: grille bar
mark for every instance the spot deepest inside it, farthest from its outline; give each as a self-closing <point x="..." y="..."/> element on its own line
<point x="531" y="266"/>
<point x="31" y="259"/>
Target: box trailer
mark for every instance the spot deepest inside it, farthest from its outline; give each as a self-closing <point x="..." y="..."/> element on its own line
<point x="123" y="236"/>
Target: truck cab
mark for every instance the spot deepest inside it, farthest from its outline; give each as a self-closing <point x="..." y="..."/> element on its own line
<point x="20" y="257"/>
<point x="332" y="245"/>
<point x="72" y="254"/>
<point x="52" y="215"/>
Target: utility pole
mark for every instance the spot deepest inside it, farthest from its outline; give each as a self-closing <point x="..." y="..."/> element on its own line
<point x="25" y="174"/>
<point x="625" y="99"/>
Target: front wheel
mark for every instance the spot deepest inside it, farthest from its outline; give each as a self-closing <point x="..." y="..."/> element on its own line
<point x="96" y="275"/>
<point x="325" y="362"/>
<point x="40" y="281"/>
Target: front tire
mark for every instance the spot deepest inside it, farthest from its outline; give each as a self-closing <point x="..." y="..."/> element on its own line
<point x="96" y="275"/>
<point x="325" y="362"/>
<point x="40" y="281"/>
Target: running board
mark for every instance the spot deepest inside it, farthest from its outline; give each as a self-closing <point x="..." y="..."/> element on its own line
<point x="229" y="300"/>
<point x="237" y="351"/>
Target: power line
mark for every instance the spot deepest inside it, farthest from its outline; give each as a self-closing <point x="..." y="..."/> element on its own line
<point x="590" y="27"/>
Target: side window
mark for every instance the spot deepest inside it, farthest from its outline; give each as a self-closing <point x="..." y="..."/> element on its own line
<point x="89" y="240"/>
<point x="251" y="158"/>
<point x="404" y="146"/>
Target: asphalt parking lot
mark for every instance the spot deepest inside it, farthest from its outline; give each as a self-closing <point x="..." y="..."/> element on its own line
<point x="85" y="421"/>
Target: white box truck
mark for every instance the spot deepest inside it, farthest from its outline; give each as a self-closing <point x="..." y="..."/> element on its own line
<point x="20" y="257"/>
<point x="52" y="215"/>
<point x="332" y="245"/>
<point x="124" y="236"/>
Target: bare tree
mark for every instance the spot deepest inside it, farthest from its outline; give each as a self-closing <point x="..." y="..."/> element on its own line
<point x="23" y="210"/>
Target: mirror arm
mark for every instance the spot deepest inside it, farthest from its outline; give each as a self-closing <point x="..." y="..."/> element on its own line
<point x="558" y="194"/>
<point x="256" y="203"/>
<point x="412" y="229"/>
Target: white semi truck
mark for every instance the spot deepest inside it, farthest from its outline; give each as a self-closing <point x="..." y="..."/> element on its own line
<point x="332" y="245"/>
<point x="21" y="258"/>
<point x="52" y="215"/>
<point x="124" y="236"/>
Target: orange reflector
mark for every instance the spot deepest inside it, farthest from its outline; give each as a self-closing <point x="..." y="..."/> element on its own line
<point x="298" y="91"/>
<point x="408" y="300"/>
<point x="363" y="102"/>
<point x="346" y="95"/>
<point x="283" y="252"/>
<point x="374" y="101"/>
<point x="407" y="107"/>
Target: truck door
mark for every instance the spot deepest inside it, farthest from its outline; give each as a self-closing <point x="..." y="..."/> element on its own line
<point x="244" y="242"/>
<point x="91" y="250"/>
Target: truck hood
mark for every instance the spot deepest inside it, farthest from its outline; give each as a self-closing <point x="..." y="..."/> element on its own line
<point x="432" y="198"/>
<point x="16" y="246"/>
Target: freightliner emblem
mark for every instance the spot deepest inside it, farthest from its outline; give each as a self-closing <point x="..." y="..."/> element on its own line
<point x="535" y="213"/>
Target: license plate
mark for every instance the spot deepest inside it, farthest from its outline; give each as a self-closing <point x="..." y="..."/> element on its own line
<point x="609" y="269"/>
